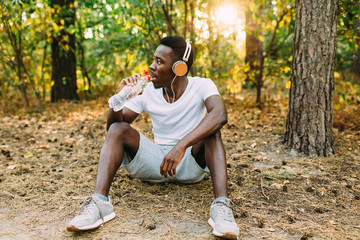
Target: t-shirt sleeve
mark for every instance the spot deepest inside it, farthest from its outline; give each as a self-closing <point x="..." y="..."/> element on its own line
<point x="136" y="104"/>
<point x="207" y="88"/>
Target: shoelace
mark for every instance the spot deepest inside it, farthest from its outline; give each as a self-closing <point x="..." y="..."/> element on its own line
<point x="89" y="204"/>
<point x="224" y="211"/>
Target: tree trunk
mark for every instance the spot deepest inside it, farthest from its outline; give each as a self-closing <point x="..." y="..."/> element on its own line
<point x="211" y="34"/>
<point x="185" y="18"/>
<point x="356" y="64"/>
<point x="63" y="53"/>
<point x="193" y="34"/>
<point x="167" y="10"/>
<point x="309" y="121"/>
<point x="254" y="55"/>
<point x="83" y="67"/>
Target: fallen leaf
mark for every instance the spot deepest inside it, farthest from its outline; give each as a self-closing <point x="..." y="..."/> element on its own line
<point x="42" y="147"/>
<point x="155" y="218"/>
<point x="11" y="167"/>
<point x="286" y="182"/>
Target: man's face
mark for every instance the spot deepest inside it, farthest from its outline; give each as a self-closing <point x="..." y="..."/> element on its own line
<point x="161" y="73"/>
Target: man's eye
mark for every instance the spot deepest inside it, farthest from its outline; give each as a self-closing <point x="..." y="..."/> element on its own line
<point x="158" y="61"/>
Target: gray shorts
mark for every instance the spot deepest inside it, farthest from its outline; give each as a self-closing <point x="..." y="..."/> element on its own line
<point x="147" y="161"/>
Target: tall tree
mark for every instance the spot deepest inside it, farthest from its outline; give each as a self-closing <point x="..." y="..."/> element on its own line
<point x="63" y="51"/>
<point x="356" y="64"/>
<point x="309" y="121"/>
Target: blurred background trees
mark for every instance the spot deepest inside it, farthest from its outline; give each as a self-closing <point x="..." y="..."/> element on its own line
<point x="85" y="49"/>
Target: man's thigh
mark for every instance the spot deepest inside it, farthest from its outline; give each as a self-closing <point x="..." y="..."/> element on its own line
<point x="123" y="133"/>
<point x="198" y="152"/>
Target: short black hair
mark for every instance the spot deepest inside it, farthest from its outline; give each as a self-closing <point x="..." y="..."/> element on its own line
<point x="178" y="45"/>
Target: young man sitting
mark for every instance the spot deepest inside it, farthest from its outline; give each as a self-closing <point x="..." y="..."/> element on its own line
<point x="187" y="114"/>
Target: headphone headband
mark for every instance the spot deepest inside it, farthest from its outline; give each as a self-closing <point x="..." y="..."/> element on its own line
<point x="180" y="68"/>
<point x="187" y="52"/>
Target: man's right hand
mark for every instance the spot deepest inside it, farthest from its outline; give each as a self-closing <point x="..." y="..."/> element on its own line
<point x="131" y="81"/>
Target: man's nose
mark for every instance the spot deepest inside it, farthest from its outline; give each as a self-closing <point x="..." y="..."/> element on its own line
<point x="152" y="66"/>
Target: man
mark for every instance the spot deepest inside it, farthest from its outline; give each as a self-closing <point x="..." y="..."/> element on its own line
<point x="187" y="114"/>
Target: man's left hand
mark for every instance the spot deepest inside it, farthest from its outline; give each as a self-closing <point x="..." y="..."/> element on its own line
<point x="171" y="160"/>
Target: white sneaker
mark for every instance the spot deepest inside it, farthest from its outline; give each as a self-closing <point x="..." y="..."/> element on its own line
<point x="95" y="213"/>
<point x="222" y="220"/>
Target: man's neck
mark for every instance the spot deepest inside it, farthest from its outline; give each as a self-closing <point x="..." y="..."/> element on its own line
<point x="179" y="86"/>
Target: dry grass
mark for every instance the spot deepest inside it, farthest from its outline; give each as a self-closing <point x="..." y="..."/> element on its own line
<point x="48" y="164"/>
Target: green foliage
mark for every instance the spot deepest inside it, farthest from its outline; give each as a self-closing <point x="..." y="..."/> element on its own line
<point x="116" y="39"/>
<point x="349" y="13"/>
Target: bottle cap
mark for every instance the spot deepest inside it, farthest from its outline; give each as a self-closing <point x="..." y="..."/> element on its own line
<point x="146" y="77"/>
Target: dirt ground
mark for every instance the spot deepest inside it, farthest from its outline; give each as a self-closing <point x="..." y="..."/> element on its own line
<point x="48" y="166"/>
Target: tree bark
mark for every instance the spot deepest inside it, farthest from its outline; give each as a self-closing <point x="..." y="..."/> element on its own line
<point x="356" y="64"/>
<point x="309" y="121"/>
<point x="63" y="52"/>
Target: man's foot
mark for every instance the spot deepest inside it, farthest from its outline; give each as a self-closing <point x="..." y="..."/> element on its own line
<point x="95" y="213"/>
<point x="222" y="220"/>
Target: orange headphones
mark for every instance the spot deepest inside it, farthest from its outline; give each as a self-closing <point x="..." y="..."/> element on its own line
<point x="180" y="68"/>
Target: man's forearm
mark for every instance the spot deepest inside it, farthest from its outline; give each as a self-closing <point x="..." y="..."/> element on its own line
<point x="113" y="117"/>
<point x="209" y="125"/>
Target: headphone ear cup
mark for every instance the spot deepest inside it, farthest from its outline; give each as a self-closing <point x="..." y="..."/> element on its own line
<point x="179" y="68"/>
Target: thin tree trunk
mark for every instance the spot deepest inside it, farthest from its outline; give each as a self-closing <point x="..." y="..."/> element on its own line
<point x="310" y="116"/>
<point x="211" y="33"/>
<point x="42" y="80"/>
<point x="84" y="70"/>
<point x="15" y="41"/>
<point x="167" y="9"/>
<point x="254" y="55"/>
<point x="192" y="33"/>
<point x="185" y="18"/>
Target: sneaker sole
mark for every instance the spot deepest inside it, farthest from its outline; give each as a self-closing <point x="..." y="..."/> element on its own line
<point x="98" y="223"/>
<point x="227" y="235"/>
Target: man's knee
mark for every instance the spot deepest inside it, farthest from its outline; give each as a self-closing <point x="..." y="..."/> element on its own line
<point x="214" y="137"/>
<point x="118" y="129"/>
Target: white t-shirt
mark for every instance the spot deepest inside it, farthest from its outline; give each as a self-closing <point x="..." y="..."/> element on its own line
<point x="172" y="121"/>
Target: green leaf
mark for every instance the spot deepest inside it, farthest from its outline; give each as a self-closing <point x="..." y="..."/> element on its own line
<point x="155" y="218"/>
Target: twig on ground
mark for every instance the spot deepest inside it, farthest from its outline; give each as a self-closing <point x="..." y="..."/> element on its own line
<point x="262" y="189"/>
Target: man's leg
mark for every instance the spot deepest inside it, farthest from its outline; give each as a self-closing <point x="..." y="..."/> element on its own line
<point x="97" y="209"/>
<point x="211" y="152"/>
<point x="121" y="137"/>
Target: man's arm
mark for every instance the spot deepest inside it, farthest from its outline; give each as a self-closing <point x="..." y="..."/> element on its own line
<point x="124" y="115"/>
<point x="210" y="124"/>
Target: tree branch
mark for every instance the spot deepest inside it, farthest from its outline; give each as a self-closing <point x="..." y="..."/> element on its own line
<point x="270" y="47"/>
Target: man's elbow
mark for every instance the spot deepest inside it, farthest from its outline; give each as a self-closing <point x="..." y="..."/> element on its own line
<point x="223" y="120"/>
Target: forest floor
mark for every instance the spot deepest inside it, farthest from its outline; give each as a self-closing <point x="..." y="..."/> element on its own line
<point x="48" y="165"/>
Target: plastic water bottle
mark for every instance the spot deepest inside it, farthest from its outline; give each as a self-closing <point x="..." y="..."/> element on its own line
<point x="118" y="101"/>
